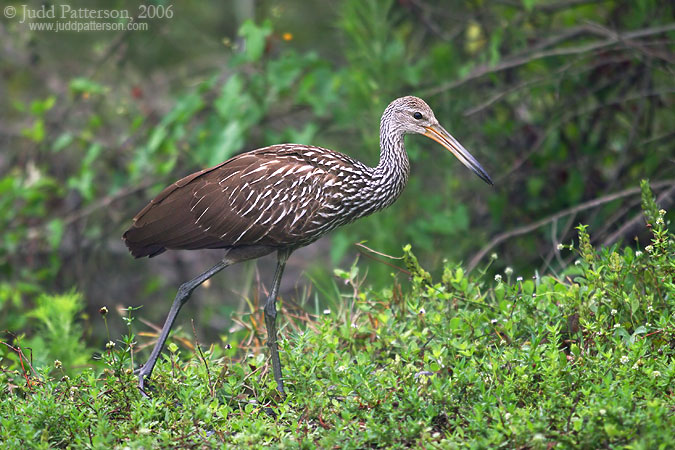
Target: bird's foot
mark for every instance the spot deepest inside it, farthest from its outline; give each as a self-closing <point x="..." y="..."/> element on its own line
<point x="280" y="388"/>
<point x="141" y="381"/>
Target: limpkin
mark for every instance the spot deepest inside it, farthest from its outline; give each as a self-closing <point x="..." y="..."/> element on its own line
<point x="279" y="198"/>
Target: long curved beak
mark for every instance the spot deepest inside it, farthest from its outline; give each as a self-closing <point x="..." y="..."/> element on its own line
<point x="440" y="135"/>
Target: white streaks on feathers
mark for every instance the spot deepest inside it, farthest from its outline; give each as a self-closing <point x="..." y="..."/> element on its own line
<point x="228" y="177"/>
<point x="202" y="214"/>
<point x="195" y="205"/>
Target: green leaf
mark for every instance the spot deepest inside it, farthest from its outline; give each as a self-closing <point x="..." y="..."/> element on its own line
<point x="455" y="324"/>
<point x="640" y="330"/>
<point x="64" y="140"/>
<point x="529" y="4"/>
<point x="255" y="39"/>
<point x="92" y="154"/>
<point x="40" y="107"/>
<point x="634" y="304"/>
<point x="36" y="133"/>
<point x="81" y="85"/>
<point x="55" y="227"/>
<point x="228" y="141"/>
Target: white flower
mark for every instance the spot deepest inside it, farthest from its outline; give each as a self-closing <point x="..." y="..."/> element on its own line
<point x="617" y="325"/>
<point x="57" y="364"/>
<point x="659" y="221"/>
<point x="494" y="321"/>
<point x="507" y="416"/>
<point x="650" y="308"/>
<point x="493" y="256"/>
<point x="613" y="312"/>
<point x="577" y="262"/>
<point x="110" y="345"/>
<point x="498" y="278"/>
<point x="422" y="311"/>
<point x="649" y="249"/>
<point x="560" y="247"/>
<point x="602" y="411"/>
<point x="326" y="311"/>
<point x="508" y="271"/>
<point x="656" y="374"/>
<point x="662" y="212"/>
<point x="624" y="359"/>
<point x="635" y="366"/>
<point x="638" y="253"/>
<point x="519" y="279"/>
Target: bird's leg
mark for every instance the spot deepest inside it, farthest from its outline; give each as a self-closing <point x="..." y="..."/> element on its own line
<point x="271" y="316"/>
<point x="182" y="297"/>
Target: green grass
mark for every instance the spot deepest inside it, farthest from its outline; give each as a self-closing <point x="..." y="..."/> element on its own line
<point x="582" y="360"/>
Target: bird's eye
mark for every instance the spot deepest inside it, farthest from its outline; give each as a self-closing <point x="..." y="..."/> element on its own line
<point x="417" y="115"/>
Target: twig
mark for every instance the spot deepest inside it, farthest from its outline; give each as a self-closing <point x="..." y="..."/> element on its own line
<point x="550" y="7"/>
<point x="631" y="43"/>
<point x="555" y="239"/>
<point x="554" y="77"/>
<point x="201" y="355"/>
<point x="92" y="208"/>
<point x="546" y="220"/>
<point x="553" y="126"/>
<point x="400" y="269"/>
<point x="499" y="95"/>
<point x="522" y="59"/>
<point x="635" y="222"/>
<point x="19" y="351"/>
<point x="652" y="334"/>
<point x="106" y="201"/>
<point x="418" y="9"/>
<point x="574" y="407"/>
<point x="618" y="217"/>
<point x="667" y="136"/>
<point x="360" y="244"/>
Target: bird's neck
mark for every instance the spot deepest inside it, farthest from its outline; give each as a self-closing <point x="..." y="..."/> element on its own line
<point x="378" y="187"/>
<point x="391" y="173"/>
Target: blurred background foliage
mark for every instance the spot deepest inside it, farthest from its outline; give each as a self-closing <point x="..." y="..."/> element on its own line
<point x="566" y="103"/>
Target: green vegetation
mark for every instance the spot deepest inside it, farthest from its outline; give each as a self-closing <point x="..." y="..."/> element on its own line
<point x="585" y="360"/>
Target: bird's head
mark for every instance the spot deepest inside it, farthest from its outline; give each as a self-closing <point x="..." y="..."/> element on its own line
<point x="411" y="115"/>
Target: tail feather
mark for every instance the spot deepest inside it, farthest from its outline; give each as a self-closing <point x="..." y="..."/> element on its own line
<point x="165" y="225"/>
<point x="162" y="224"/>
<point x="139" y="250"/>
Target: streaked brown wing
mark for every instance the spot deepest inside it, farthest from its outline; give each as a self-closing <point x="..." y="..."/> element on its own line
<point x="267" y="197"/>
<point x="272" y="196"/>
